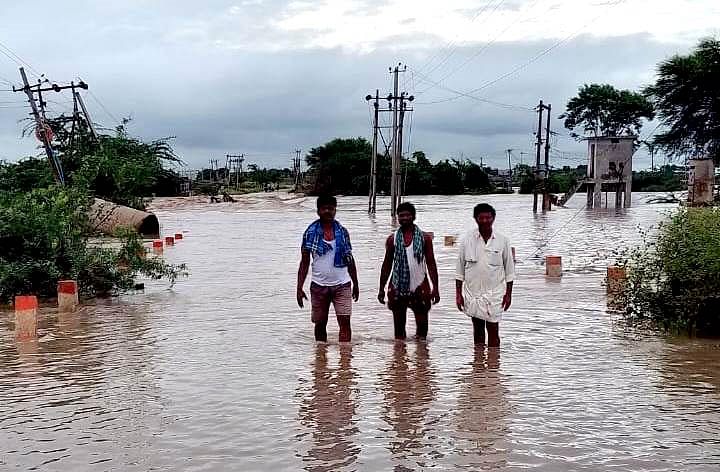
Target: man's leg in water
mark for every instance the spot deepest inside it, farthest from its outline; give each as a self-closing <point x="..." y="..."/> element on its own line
<point x="399" y="319"/>
<point x="478" y="331"/>
<point x="345" y="331"/>
<point x="320" y="304"/>
<point x="342" y="302"/>
<point x="321" y="330"/>
<point x="493" y="330"/>
<point x="421" y="323"/>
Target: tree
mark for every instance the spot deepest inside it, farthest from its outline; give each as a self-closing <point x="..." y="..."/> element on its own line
<point x="603" y="110"/>
<point x="686" y="95"/>
<point x="341" y="166"/>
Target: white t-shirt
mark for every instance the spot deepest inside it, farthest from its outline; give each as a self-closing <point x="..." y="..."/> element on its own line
<point x="324" y="271"/>
<point x="417" y="269"/>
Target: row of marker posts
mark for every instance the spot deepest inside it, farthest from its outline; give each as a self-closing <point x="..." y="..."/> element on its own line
<point x="615" y="279"/>
<point x="26" y="306"/>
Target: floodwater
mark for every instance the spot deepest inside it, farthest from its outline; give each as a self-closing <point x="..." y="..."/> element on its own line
<point x="221" y="372"/>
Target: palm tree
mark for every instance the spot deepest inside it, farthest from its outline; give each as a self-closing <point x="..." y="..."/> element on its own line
<point x="686" y="94"/>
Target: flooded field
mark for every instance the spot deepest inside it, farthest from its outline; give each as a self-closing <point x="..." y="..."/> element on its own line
<point x="221" y="372"/>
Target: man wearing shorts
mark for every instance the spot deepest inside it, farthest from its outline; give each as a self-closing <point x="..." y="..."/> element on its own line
<point x="484" y="276"/>
<point x="334" y="275"/>
<point x="409" y="254"/>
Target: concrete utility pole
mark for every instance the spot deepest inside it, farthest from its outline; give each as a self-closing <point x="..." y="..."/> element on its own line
<point x="538" y="144"/>
<point x="397" y="105"/>
<point x="235" y="161"/>
<point x="372" y="199"/>
<point x="395" y="163"/>
<point x="509" y="153"/>
<point x="296" y="170"/>
<point x="42" y="130"/>
<point x="90" y="124"/>
<point x="542" y="170"/>
<point x="546" y="205"/>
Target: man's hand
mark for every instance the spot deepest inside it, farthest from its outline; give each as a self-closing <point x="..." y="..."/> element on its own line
<point x="435" y="297"/>
<point x="300" y="294"/>
<point x="460" y="301"/>
<point x="507" y="300"/>
<point x="356" y="292"/>
<point x="381" y="296"/>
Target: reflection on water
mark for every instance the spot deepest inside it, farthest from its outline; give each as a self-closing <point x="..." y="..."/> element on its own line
<point x="221" y="372"/>
<point x="481" y="414"/>
<point x="329" y="412"/>
<point x="409" y="389"/>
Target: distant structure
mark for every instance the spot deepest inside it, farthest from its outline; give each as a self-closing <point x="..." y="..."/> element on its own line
<point x="609" y="170"/>
<point x="701" y="181"/>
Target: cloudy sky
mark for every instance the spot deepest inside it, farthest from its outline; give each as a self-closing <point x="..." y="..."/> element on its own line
<point x="263" y="77"/>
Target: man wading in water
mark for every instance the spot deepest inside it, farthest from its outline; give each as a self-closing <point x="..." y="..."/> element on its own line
<point x="484" y="276"/>
<point x="333" y="268"/>
<point x="409" y="254"/>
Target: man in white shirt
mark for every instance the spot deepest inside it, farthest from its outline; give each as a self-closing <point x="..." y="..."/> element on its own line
<point x="334" y="275"/>
<point x="409" y="255"/>
<point x="484" y="276"/>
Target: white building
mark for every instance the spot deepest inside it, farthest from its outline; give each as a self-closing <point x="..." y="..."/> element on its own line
<point x="610" y="170"/>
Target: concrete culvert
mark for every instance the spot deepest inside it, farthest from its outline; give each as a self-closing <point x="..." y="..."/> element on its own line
<point x="107" y="217"/>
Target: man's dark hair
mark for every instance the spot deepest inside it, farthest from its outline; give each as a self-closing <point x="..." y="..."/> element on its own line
<point x="483" y="208"/>
<point x="326" y="200"/>
<point x="406" y="206"/>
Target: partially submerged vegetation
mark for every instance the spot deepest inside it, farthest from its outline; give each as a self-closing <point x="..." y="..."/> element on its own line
<point x="673" y="280"/>
<point x="45" y="229"/>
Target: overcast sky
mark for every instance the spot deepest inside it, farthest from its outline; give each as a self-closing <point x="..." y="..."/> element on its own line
<point x="263" y="77"/>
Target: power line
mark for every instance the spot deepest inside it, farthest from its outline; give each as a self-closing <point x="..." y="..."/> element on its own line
<point x="452" y="51"/>
<point x="17" y="59"/>
<point x="547" y="50"/>
<point x="483" y="48"/>
<point x="468" y="95"/>
<point x="97" y="100"/>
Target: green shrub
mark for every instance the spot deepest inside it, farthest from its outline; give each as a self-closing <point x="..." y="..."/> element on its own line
<point x="674" y="278"/>
<point x="44" y="238"/>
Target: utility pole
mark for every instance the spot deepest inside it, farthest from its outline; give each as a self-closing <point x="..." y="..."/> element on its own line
<point x="90" y="124"/>
<point x="538" y="145"/>
<point x="42" y="130"/>
<point x="546" y="205"/>
<point x="235" y="161"/>
<point x="372" y="199"/>
<point x="399" y="150"/>
<point x="394" y="162"/>
<point x="397" y="105"/>
<point x="296" y="170"/>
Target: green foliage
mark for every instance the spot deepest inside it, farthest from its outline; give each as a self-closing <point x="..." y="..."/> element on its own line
<point x="122" y="169"/>
<point x="44" y="238"/>
<point x="665" y="179"/>
<point x="118" y="168"/>
<point x="342" y="167"/>
<point x="561" y="181"/>
<point x="674" y="278"/>
<point x="25" y="175"/>
<point x="686" y="94"/>
<point x="603" y="110"/>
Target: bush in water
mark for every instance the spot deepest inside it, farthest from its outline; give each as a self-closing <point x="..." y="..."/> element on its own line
<point x="674" y="278"/>
<point x="44" y="238"/>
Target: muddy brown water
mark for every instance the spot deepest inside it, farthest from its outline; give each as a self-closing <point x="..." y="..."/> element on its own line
<point x="221" y="372"/>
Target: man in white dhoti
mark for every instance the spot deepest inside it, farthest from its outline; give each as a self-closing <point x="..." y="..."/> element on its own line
<point x="484" y="276"/>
